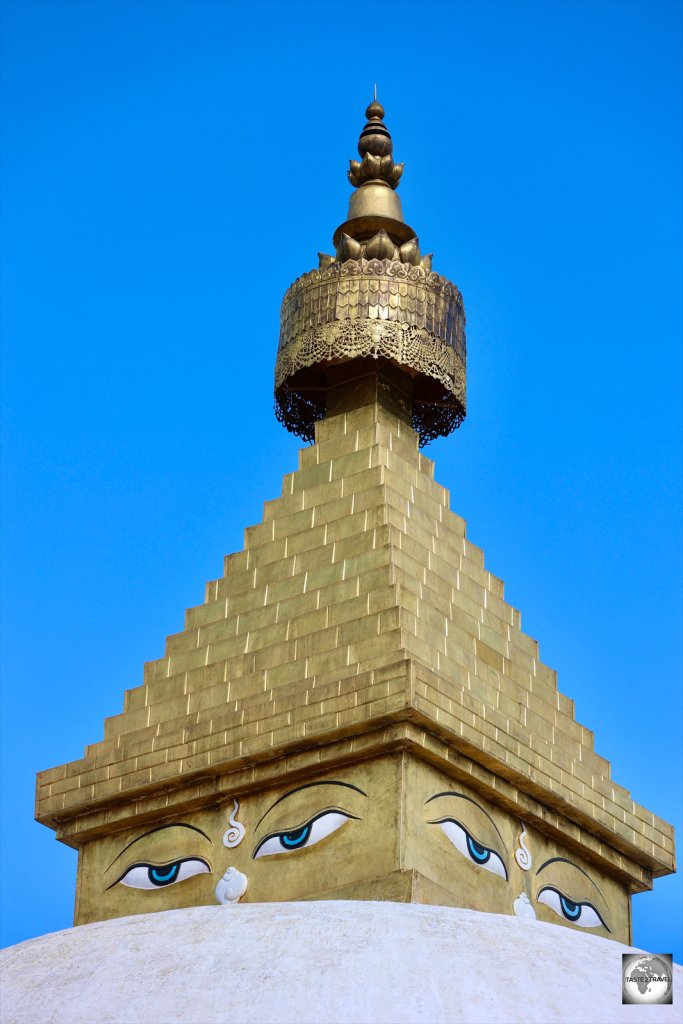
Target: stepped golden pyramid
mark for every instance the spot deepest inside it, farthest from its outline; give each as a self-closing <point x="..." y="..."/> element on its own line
<point x="354" y="711"/>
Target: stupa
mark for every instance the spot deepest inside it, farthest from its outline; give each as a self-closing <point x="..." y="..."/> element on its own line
<point x="354" y="712"/>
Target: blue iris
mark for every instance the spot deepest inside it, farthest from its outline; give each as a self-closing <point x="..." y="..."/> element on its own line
<point x="480" y="854"/>
<point x="296" y="839"/>
<point x="164" y="876"/>
<point x="571" y="910"/>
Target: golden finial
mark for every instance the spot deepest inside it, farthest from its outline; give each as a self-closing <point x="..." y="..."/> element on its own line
<point x="376" y="148"/>
<point x="380" y="300"/>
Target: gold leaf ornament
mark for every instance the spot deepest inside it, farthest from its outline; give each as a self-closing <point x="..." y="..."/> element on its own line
<point x="380" y="247"/>
<point x="349" y="248"/>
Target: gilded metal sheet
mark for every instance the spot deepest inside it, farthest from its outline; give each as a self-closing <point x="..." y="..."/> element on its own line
<point x="420" y="296"/>
<point x="398" y="810"/>
<point x="380" y="308"/>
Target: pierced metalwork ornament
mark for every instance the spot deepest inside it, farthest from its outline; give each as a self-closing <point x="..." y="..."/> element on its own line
<point x="378" y="308"/>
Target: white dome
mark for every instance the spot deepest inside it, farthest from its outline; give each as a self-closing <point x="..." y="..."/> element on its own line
<point x="319" y="962"/>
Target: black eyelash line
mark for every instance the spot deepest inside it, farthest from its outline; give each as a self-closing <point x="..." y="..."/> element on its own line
<point x="151" y="864"/>
<point x="160" y="828"/>
<point x="454" y="821"/>
<point x="565" y="860"/>
<point x="577" y="903"/>
<point x="461" y="796"/>
<point x="306" y="824"/>
<point x="310" y="785"/>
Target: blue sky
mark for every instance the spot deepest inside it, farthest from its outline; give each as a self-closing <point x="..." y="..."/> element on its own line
<point x="168" y="168"/>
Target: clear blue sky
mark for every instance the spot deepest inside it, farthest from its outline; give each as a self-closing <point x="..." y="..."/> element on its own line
<point x="168" y="169"/>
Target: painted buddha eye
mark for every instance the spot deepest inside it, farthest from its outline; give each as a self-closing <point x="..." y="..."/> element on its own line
<point x="323" y="825"/>
<point x="477" y="853"/>
<point x="583" y="914"/>
<point x="156" y="876"/>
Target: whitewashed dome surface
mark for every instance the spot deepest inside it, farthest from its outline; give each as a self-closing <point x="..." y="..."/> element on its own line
<point x="332" y="962"/>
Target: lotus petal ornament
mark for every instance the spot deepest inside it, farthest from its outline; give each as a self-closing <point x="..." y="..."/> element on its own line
<point x="371" y="166"/>
<point x="410" y="252"/>
<point x="395" y="175"/>
<point x="380" y="247"/>
<point x="353" y="173"/>
<point x="349" y="249"/>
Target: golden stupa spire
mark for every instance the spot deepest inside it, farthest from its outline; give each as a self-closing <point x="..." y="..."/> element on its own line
<point x="354" y="712"/>
<point x="375" y="299"/>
